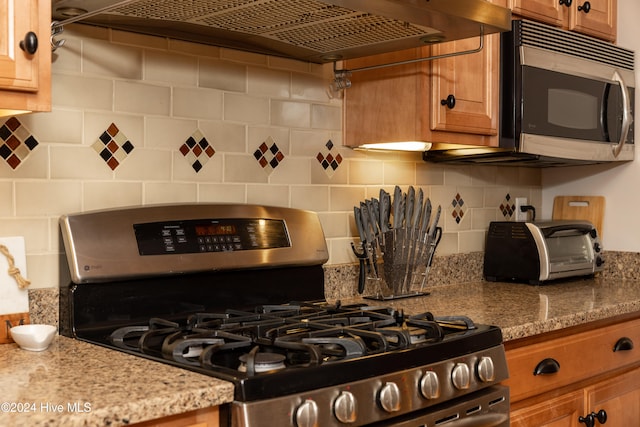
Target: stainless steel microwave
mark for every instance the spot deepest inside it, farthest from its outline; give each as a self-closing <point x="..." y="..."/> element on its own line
<point x="566" y="98"/>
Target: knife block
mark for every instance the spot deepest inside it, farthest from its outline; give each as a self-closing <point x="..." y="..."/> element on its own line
<point x="9" y="320"/>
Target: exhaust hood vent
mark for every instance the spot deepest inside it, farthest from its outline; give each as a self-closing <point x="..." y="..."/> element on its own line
<point x="309" y="30"/>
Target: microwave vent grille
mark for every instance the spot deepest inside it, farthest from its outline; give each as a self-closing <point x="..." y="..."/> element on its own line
<point x="542" y="36"/>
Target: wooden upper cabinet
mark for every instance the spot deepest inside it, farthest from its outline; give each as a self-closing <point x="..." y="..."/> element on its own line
<point x="594" y="17"/>
<point x="25" y="78"/>
<point x="464" y="89"/>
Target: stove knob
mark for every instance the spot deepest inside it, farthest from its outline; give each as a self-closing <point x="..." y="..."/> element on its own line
<point x="389" y="397"/>
<point x="460" y="376"/>
<point x="307" y="414"/>
<point x="345" y="407"/>
<point x="486" y="372"/>
<point x="430" y="385"/>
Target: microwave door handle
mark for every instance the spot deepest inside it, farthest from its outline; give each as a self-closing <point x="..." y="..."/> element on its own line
<point x="627" y="119"/>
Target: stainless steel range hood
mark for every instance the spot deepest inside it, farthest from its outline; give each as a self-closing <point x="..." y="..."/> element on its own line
<point x="316" y="31"/>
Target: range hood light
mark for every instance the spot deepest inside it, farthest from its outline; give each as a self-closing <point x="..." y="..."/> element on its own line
<point x="397" y="146"/>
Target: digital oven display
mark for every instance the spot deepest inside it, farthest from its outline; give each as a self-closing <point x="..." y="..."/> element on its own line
<point x="210" y="235"/>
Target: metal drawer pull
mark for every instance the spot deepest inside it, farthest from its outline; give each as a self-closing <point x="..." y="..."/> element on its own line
<point x="623" y="344"/>
<point x="546" y="367"/>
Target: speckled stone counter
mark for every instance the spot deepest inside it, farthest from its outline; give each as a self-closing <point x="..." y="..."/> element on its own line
<point x="522" y="310"/>
<point x="73" y="383"/>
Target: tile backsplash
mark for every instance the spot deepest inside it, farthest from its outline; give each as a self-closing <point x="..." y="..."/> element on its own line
<point x="142" y="120"/>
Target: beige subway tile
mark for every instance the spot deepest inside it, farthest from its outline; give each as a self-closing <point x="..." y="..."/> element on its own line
<point x="110" y="60"/>
<point x="146" y="165"/>
<point x="310" y="197"/>
<point x="82" y="92"/>
<point x="168" y="192"/>
<point x="43" y="270"/>
<point x="290" y="114"/>
<point x="180" y="70"/>
<point x="345" y="198"/>
<point x="457" y="175"/>
<point x="42" y="198"/>
<point x="326" y="117"/>
<point x="495" y="196"/>
<point x="217" y="74"/>
<point x="243" y="168"/>
<point x="67" y="59"/>
<point x="225" y="137"/>
<point x="340" y="252"/>
<point x="265" y="82"/>
<point x="481" y="218"/>
<point x="335" y="224"/>
<point x="271" y="195"/>
<point x="34" y="230"/>
<point x="399" y="173"/>
<point x="292" y="170"/>
<point x="366" y="172"/>
<point x="319" y="175"/>
<point x="473" y="197"/>
<point x="81" y="163"/>
<point x="294" y="65"/>
<point x="507" y="176"/>
<point x="171" y="133"/>
<point x="483" y="175"/>
<point x="222" y="193"/>
<point x="472" y="241"/>
<point x="310" y="142"/>
<point x="56" y="126"/>
<point x="448" y="244"/>
<point x="259" y="134"/>
<point x="442" y="195"/>
<point x="309" y="87"/>
<point x="6" y="199"/>
<point x="530" y="176"/>
<point x="107" y="195"/>
<point x="246" y="109"/>
<point x="197" y="103"/>
<point x="142" y="98"/>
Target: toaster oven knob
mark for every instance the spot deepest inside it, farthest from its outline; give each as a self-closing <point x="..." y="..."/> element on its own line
<point x="389" y="397"/>
<point x="460" y="376"/>
<point x="307" y="414"/>
<point x="345" y="407"/>
<point x="597" y="247"/>
<point x="430" y="385"/>
<point x="599" y="261"/>
<point x="486" y="372"/>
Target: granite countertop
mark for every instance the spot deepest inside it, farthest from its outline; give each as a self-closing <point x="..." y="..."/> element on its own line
<point x="522" y="310"/>
<point x="116" y="389"/>
<point x="74" y="383"/>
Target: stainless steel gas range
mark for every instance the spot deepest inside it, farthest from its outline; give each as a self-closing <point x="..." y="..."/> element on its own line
<point x="237" y="292"/>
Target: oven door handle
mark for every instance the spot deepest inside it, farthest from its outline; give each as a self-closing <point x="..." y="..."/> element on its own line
<point x="481" y="420"/>
<point x="627" y="119"/>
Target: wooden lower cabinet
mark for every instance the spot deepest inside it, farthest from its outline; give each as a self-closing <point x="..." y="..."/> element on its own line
<point x="208" y="417"/>
<point x="588" y="376"/>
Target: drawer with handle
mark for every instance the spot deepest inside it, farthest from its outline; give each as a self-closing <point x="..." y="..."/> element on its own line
<point x="548" y="365"/>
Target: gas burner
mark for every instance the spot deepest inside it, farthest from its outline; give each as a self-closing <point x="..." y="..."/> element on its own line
<point x="262" y="362"/>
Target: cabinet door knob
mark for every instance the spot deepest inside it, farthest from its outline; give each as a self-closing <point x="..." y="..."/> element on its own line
<point x="623" y="344"/>
<point x="566" y="2"/>
<point x="589" y="421"/>
<point x="586" y="7"/>
<point x="450" y="102"/>
<point x="546" y="367"/>
<point x="30" y="43"/>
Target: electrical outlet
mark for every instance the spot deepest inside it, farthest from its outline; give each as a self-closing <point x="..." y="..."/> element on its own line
<point x="521" y="216"/>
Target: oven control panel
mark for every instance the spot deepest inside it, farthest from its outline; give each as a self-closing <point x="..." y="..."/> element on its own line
<point x="210" y="235"/>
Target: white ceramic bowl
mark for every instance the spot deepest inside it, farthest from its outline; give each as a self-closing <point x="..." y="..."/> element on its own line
<point x="33" y="337"/>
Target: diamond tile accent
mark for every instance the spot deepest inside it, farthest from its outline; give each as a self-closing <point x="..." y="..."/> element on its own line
<point x="16" y="142"/>
<point x="508" y="207"/>
<point x="328" y="160"/>
<point x="459" y="208"/>
<point x="113" y="146"/>
<point x="197" y="150"/>
<point x="268" y="155"/>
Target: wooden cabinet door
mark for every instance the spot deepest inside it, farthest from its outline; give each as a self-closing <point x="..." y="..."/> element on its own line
<point x="619" y="397"/>
<point x="18" y="69"/>
<point x="549" y="11"/>
<point x="471" y="82"/>
<point x="562" y="411"/>
<point x="599" y="21"/>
